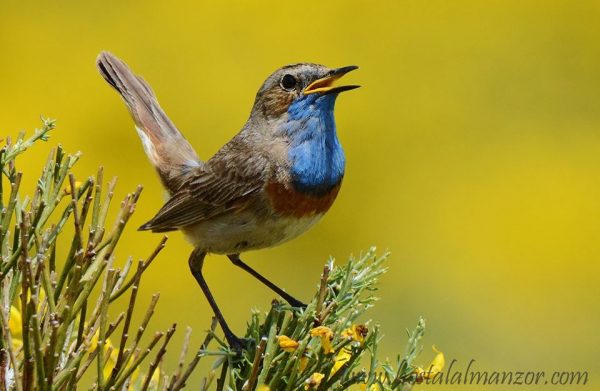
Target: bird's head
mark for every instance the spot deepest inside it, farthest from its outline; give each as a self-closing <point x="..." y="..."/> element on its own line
<point x="294" y="87"/>
<point x="297" y="103"/>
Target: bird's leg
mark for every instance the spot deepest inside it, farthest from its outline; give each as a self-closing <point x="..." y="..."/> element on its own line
<point x="195" y="262"/>
<point x="235" y="259"/>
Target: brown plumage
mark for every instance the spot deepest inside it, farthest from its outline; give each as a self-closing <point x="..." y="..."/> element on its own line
<point x="288" y="202"/>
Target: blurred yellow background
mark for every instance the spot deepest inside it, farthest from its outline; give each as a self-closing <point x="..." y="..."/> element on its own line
<point x="472" y="149"/>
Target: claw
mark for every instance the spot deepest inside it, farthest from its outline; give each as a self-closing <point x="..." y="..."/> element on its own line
<point x="238" y="345"/>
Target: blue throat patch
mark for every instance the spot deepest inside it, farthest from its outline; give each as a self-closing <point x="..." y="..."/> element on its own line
<point x="316" y="156"/>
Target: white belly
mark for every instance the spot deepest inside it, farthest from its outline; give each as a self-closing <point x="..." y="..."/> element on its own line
<point x="240" y="232"/>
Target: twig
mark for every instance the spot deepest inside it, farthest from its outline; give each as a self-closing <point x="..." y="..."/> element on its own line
<point x="126" y="373"/>
<point x="159" y="356"/>
<point x="251" y="382"/>
<point x="321" y="296"/>
<point x="145" y="265"/>
<point x="125" y="332"/>
<point x="179" y="383"/>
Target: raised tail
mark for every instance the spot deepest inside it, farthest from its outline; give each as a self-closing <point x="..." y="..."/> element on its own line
<point x="167" y="149"/>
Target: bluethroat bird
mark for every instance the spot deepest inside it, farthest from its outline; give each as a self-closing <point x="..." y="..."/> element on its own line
<point x="270" y="183"/>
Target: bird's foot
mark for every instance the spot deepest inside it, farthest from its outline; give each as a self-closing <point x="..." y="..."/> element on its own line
<point x="293" y="302"/>
<point x="238" y="345"/>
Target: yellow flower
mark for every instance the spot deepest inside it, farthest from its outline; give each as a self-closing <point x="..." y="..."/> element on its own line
<point x="436" y="366"/>
<point x="112" y="359"/>
<point x="263" y="387"/>
<point x="303" y="363"/>
<point x="67" y="189"/>
<point x="17" y="343"/>
<point x="326" y="336"/>
<point x="340" y="359"/>
<point x="94" y="343"/>
<point x="16" y="327"/>
<point x="15" y="322"/>
<point x="321" y="331"/>
<point x="287" y="344"/>
<point x="356" y="333"/>
<point x="135" y="376"/>
<point x="313" y="382"/>
<point x="155" y="379"/>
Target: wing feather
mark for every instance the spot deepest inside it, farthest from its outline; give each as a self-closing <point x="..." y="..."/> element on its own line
<point x="212" y="190"/>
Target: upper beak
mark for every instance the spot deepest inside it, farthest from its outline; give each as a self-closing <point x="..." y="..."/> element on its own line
<point x="324" y="85"/>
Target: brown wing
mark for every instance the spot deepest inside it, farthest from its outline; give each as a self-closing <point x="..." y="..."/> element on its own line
<point x="226" y="183"/>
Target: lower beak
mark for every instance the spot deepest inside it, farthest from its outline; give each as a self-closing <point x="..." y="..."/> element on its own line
<point x="325" y="85"/>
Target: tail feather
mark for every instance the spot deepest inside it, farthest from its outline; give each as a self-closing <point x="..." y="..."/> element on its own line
<point x="167" y="149"/>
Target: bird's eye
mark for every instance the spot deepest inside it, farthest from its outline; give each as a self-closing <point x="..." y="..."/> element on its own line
<point x="288" y="82"/>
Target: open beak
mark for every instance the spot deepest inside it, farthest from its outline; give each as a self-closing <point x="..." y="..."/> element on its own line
<point x="325" y="85"/>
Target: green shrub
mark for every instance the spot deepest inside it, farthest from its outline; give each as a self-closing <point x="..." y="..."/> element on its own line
<point x="57" y="333"/>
